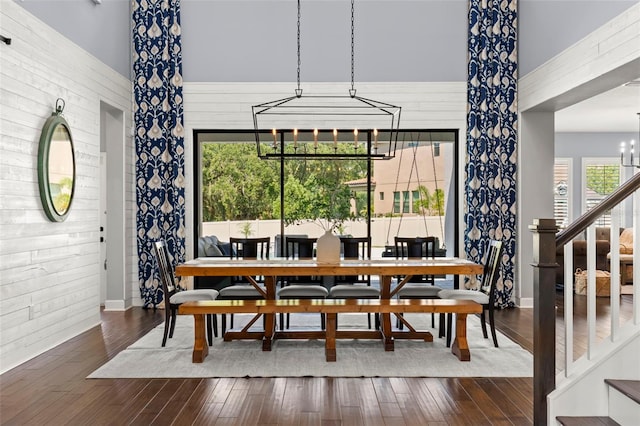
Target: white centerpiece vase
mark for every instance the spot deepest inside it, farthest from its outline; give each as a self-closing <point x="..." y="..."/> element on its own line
<point x="328" y="248"/>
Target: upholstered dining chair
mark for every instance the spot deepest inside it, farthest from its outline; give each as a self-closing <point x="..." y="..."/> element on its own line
<point x="417" y="286"/>
<point x="485" y="295"/>
<point x="355" y="287"/>
<point x="301" y="287"/>
<point x="174" y="298"/>
<point x="241" y="288"/>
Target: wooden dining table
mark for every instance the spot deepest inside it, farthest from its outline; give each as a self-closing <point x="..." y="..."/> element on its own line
<point x="271" y="269"/>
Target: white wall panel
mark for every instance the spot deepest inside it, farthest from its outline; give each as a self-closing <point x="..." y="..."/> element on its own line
<point x="49" y="272"/>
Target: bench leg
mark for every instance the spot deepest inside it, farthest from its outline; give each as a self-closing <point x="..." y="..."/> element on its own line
<point x="460" y="346"/>
<point x="387" y="335"/>
<point x="200" y="347"/>
<point x="269" y="328"/>
<point x="330" y="337"/>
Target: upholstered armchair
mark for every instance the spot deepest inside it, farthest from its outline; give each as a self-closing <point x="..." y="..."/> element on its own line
<point x="626" y="256"/>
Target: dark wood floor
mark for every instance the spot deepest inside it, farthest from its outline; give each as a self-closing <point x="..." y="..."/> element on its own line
<point x="51" y="389"/>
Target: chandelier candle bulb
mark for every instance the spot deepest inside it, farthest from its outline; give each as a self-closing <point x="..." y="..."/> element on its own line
<point x="335" y="138"/>
<point x="275" y="139"/>
<point x="355" y="138"/>
<point x="295" y="138"/>
<point x="315" y="138"/>
<point x="375" y="139"/>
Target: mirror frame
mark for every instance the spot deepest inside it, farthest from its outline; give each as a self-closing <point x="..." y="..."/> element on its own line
<point x="43" y="165"/>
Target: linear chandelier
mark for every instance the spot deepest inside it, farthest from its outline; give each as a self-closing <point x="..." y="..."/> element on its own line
<point x="326" y="126"/>
<point x="633" y="161"/>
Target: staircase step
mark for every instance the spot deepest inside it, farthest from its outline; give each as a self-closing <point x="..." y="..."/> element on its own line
<point x="586" y="421"/>
<point x="630" y="388"/>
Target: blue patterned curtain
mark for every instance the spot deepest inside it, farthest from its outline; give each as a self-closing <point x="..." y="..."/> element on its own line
<point x="159" y="137"/>
<point x="491" y="134"/>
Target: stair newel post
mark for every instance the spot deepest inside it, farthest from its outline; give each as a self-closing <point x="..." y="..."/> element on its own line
<point x="544" y="315"/>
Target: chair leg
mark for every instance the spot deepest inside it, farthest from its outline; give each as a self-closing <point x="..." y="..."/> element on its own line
<point x="215" y="325"/>
<point x="493" y="328"/>
<point x="322" y="322"/>
<point x="288" y="320"/>
<point x="224" y="323"/>
<point x="167" y="325"/>
<point x="441" y="325"/>
<point x="433" y="321"/>
<point x="210" y="329"/>
<point x="369" y="321"/>
<point x="231" y="322"/>
<point x="484" y="325"/>
<point x="449" y="329"/>
<point x="281" y="316"/>
<point x="399" y="323"/>
<point x="173" y="321"/>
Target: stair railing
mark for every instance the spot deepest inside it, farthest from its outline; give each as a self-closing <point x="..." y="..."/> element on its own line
<point x="544" y="265"/>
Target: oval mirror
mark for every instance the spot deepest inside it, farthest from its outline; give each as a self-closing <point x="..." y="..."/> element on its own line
<point x="56" y="166"/>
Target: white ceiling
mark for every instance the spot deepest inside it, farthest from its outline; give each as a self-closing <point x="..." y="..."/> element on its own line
<point x="613" y="111"/>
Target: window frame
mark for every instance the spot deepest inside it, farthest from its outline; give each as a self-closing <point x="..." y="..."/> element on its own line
<point x="596" y="161"/>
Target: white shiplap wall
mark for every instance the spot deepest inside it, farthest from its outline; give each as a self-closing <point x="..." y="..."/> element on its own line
<point x="52" y="267"/>
<point x="606" y="58"/>
<point x="228" y="106"/>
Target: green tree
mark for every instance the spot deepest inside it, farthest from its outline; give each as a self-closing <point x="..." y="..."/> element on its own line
<point x="424" y="201"/>
<point x="236" y="184"/>
<point x="437" y="203"/>
<point x="603" y="179"/>
<point x="317" y="199"/>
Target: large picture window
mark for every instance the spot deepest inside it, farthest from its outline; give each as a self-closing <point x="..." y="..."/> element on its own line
<point x="241" y="195"/>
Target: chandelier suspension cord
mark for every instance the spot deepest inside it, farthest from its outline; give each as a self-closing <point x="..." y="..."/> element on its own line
<point x="298" y="90"/>
<point x="352" y="92"/>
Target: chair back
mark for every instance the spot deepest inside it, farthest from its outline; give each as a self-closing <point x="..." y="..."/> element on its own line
<point x="417" y="248"/>
<point x="165" y="270"/>
<point x="300" y="247"/>
<point x="491" y="270"/>
<point x="250" y="248"/>
<point x="355" y="248"/>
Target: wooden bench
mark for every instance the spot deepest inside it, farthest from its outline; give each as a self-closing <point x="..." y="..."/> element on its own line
<point x="332" y="307"/>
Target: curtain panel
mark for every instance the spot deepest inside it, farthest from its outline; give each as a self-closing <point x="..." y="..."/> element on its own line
<point x="159" y="137"/>
<point x="492" y="135"/>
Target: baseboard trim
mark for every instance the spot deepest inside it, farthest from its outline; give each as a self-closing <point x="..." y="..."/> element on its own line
<point x="524" y="302"/>
<point x="114" y="305"/>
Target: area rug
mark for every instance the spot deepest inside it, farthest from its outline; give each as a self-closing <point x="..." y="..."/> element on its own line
<point x="305" y="358"/>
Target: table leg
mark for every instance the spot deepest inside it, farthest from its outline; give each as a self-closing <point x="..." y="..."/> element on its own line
<point x="200" y="347"/>
<point x="330" y="337"/>
<point x="385" y="318"/>
<point x="269" y="319"/>
<point x="460" y="346"/>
